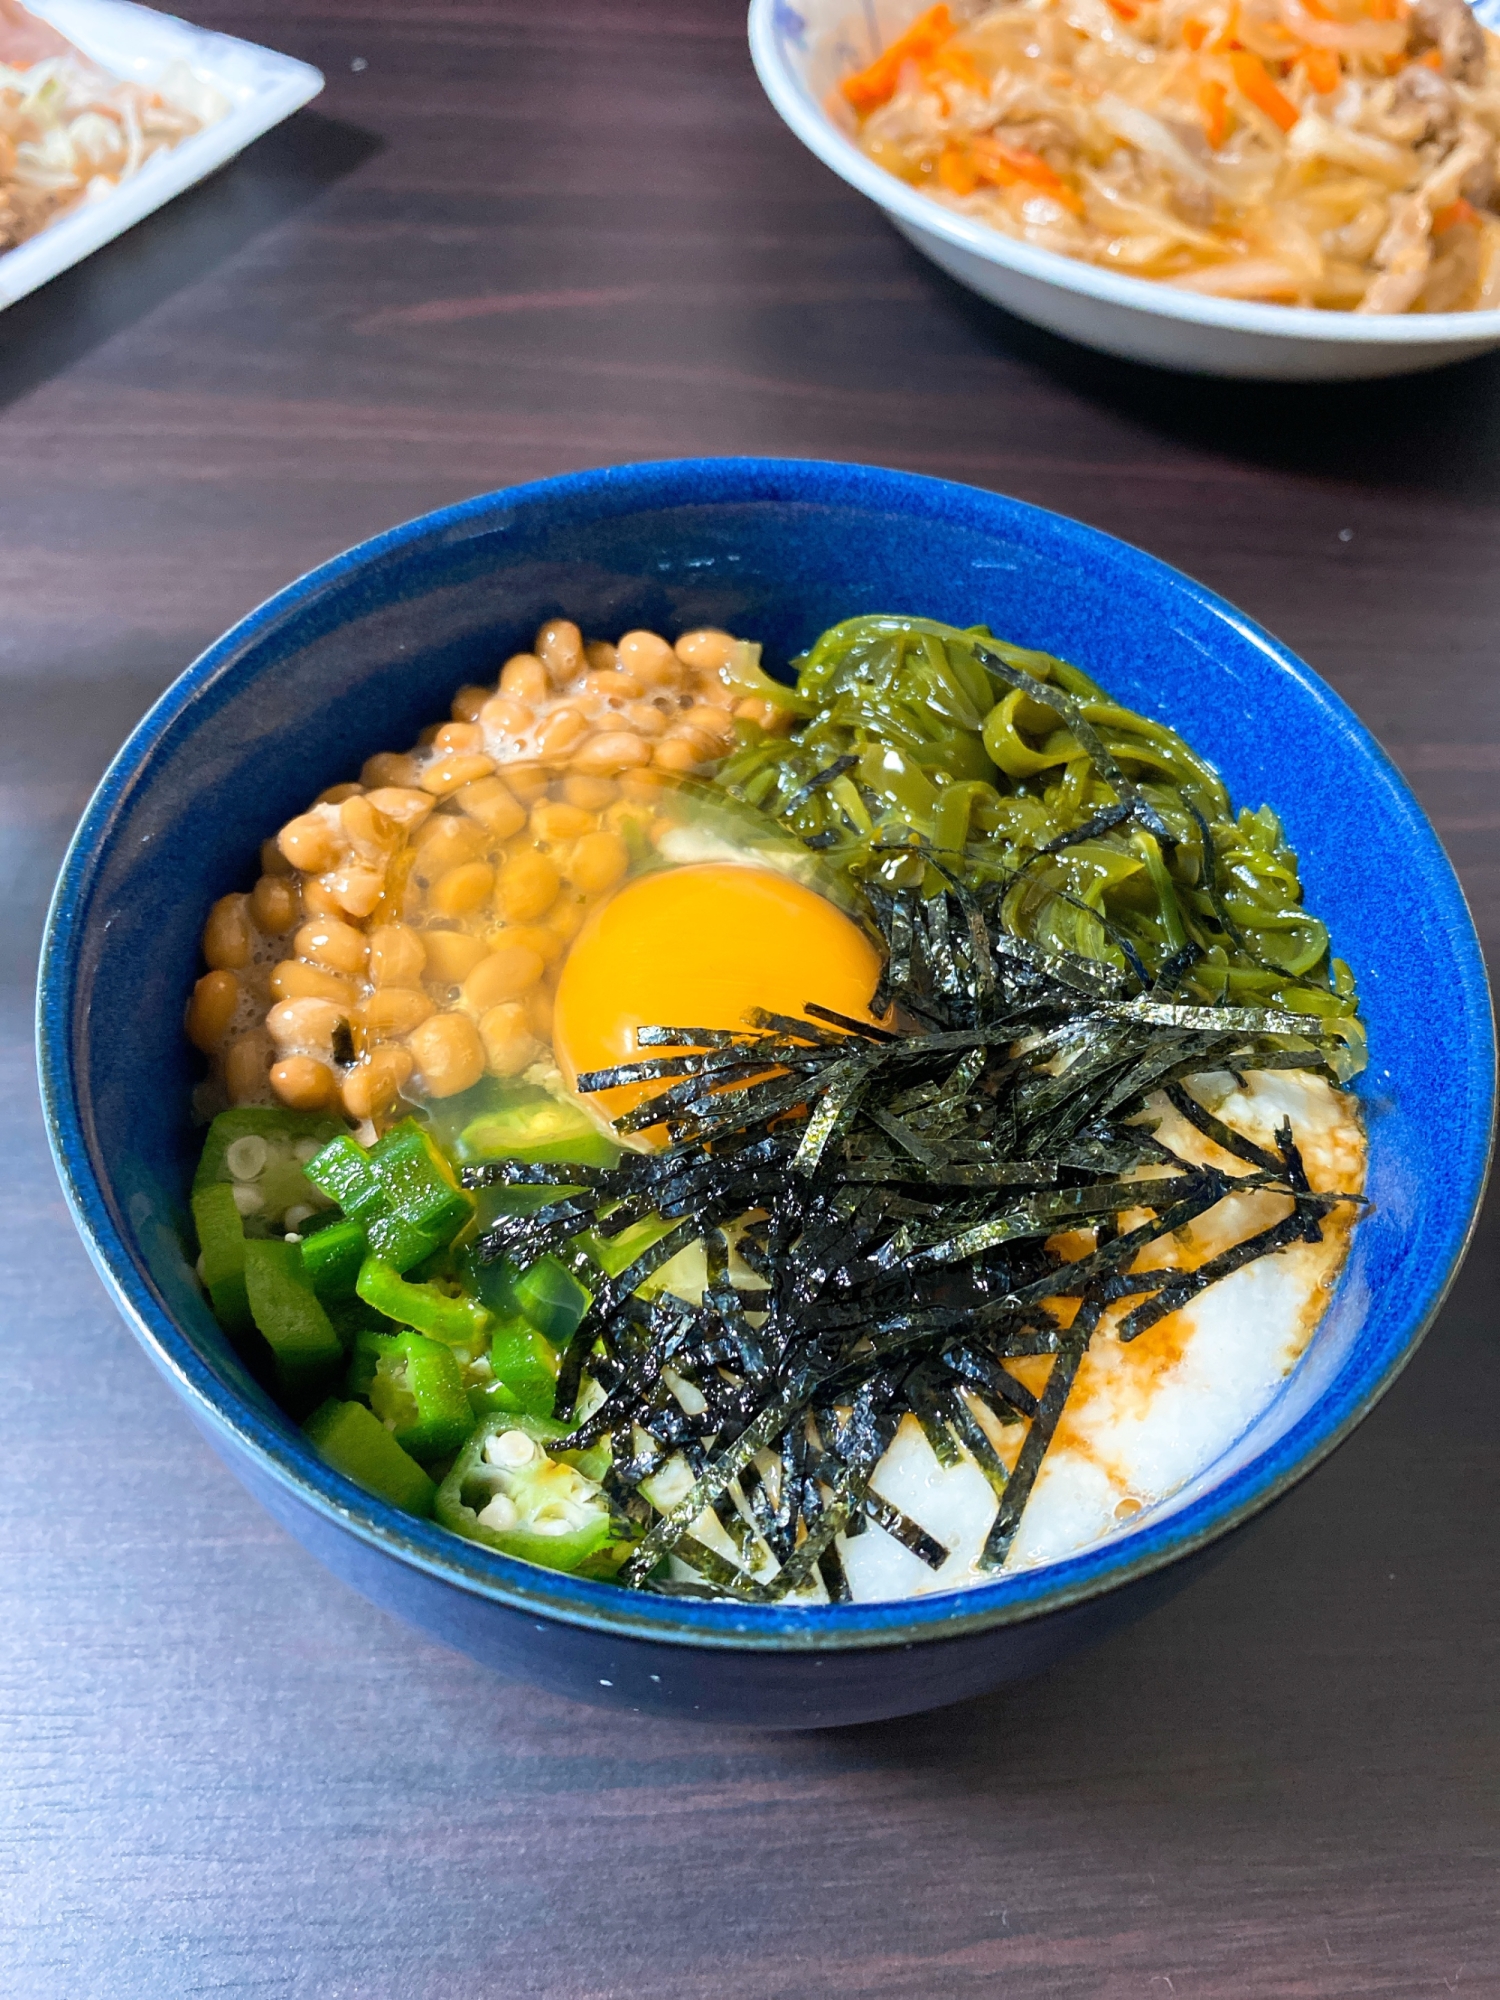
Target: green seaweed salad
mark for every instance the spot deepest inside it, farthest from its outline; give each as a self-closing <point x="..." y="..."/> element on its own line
<point x="594" y="1355"/>
<point x="1110" y="836"/>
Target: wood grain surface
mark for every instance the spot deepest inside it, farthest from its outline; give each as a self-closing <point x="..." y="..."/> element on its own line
<point x="513" y="239"/>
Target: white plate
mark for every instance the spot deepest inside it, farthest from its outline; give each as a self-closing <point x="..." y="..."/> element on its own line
<point x="801" y="48"/>
<point x="138" y="43"/>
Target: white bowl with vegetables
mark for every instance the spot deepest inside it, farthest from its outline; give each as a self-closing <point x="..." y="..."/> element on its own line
<point x="1146" y="136"/>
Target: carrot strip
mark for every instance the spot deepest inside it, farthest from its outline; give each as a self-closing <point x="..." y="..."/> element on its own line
<point x="1009" y="166"/>
<point x="956" y="171"/>
<point x="1253" y="80"/>
<point x="1432" y="60"/>
<point x="1213" y="102"/>
<point x="1194" y="32"/>
<point x="1455" y="213"/>
<point x="956" y="63"/>
<point x="1323" y="71"/>
<point x="875" y="85"/>
<point x="1228" y="36"/>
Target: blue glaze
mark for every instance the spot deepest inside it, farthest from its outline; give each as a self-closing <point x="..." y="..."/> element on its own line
<point x="361" y="653"/>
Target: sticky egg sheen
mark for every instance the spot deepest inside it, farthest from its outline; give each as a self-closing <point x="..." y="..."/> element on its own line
<point x="699" y="947"/>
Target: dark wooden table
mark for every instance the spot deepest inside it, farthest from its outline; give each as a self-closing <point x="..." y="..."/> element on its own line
<point x="513" y="239"/>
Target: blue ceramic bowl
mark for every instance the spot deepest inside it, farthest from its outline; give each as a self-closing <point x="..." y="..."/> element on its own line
<point x="360" y="654"/>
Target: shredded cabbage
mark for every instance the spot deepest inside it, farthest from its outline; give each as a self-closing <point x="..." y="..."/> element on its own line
<point x="1338" y="153"/>
<point x="71" y="133"/>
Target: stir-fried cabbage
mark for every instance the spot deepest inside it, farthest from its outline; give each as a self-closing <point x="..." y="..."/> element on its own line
<point x="70" y="132"/>
<point x="1338" y="153"/>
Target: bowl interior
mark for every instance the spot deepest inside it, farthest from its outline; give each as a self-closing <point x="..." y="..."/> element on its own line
<point x="360" y="655"/>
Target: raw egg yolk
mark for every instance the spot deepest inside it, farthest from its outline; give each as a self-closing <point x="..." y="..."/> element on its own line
<point x="699" y="947"/>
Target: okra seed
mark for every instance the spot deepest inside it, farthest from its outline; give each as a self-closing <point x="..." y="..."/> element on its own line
<point x="501" y="1514"/>
<point x="297" y="1214"/>
<point x="510" y="1448"/>
<point x="247" y="1199"/>
<point x="246" y="1158"/>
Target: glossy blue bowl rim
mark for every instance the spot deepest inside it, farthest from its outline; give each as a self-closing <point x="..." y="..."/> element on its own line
<point x="282" y="1454"/>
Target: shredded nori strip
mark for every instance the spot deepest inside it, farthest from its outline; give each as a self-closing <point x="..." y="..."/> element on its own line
<point x="893" y="1194"/>
<point x="900" y="1527"/>
<point x="817" y="781"/>
<point x="1070" y="710"/>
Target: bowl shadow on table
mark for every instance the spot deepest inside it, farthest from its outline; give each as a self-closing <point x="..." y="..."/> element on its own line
<point x="1439" y="429"/>
<point x="1233" y="1690"/>
<point x="50" y="329"/>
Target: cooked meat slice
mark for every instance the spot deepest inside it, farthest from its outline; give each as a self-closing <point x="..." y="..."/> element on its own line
<point x="1046" y="137"/>
<point x="1450" y="27"/>
<point x="1404" y="255"/>
<point x="1474" y="153"/>
<point x="1455" y="271"/>
<point x="1423" y="92"/>
<point x="1195" y="205"/>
